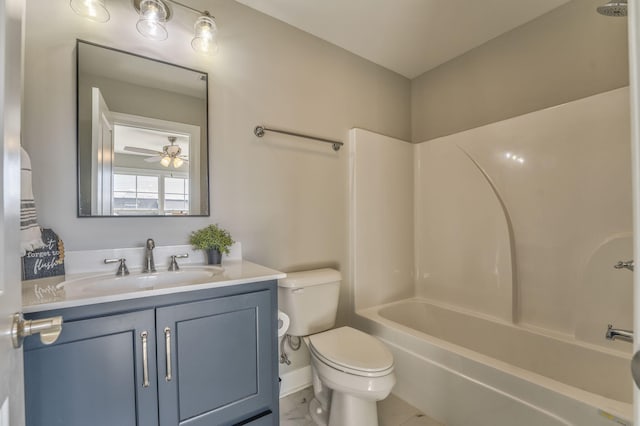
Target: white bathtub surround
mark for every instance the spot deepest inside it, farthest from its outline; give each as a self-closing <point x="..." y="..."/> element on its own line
<point x="608" y="289"/>
<point x="463" y="243"/>
<point x="464" y="368"/>
<point x="517" y="227"/>
<point x="565" y="178"/>
<point x="521" y="219"/>
<point x="381" y="218"/>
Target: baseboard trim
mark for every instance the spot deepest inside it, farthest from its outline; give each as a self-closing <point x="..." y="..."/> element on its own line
<point x="295" y="380"/>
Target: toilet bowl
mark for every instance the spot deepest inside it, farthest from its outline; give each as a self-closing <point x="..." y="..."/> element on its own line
<point x="351" y="369"/>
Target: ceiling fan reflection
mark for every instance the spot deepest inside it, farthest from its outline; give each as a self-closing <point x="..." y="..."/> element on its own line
<point x="169" y="156"/>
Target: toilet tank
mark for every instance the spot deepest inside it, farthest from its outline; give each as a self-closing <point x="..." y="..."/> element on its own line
<point x="310" y="299"/>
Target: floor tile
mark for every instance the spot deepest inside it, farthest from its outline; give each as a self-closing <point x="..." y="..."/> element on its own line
<point x="393" y="411"/>
<point x="421" y="420"/>
<point x="294" y="409"/>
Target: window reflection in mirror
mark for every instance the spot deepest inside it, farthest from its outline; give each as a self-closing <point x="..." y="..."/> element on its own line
<point x="142" y="136"/>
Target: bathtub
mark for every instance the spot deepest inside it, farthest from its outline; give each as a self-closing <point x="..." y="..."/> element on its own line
<point x="465" y="369"/>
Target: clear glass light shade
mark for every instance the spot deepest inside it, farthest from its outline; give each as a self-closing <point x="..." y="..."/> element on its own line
<point x="205" y="39"/>
<point x="153" y="15"/>
<point x="165" y="161"/>
<point x="177" y="162"/>
<point x="94" y="10"/>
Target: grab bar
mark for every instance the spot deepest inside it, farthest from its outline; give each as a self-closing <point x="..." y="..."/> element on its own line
<point x="615" y="333"/>
<point x="259" y="132"/>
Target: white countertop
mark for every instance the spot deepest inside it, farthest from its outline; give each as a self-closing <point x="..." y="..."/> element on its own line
<point x="43" y="295"/>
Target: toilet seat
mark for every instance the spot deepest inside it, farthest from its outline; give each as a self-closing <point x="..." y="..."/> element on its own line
<point x="352" y="351"/>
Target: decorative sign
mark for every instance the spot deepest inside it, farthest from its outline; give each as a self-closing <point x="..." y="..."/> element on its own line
<point x="47" y="261"/>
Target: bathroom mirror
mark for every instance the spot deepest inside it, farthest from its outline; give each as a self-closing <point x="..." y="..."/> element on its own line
<point x="142" y="136"/>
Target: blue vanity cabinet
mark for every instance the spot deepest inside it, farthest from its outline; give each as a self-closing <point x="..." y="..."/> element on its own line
<point x="211" y="361"/>
<point x="93" y="374"/>
<point x="212" y="364"/>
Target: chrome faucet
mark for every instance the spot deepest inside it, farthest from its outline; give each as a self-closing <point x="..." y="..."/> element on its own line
<point x="149" y="265"/>
<point x="615" y="333"/>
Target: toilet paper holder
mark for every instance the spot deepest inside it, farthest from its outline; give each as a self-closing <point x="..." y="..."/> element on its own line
<point x="283" y="323"/>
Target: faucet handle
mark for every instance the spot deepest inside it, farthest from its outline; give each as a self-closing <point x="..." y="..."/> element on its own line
<point x="628" y="264"/>
<point x="122" y="267"/>
<point x="173" y="265"/>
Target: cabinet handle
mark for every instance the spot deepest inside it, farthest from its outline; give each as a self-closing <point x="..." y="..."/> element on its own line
<point x="167" y="348"/>
<point x="145" y="360"/>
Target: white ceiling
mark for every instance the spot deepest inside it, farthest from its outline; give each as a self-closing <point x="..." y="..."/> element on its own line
<point x="145" y="138"/>
<point x="409" y="37"/>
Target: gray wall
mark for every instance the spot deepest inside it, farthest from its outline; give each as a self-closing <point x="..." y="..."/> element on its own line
<point x="567" y="54"/>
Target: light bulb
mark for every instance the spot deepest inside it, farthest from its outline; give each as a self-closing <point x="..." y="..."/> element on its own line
<point x="153" y="15"/>
<point x="166" y="160"/>
<point x="204" y="40"/>
<point x="93" y="10"/>
<point x="177" y="162"/>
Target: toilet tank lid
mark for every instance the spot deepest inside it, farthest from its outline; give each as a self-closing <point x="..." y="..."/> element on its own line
<point x="309" y="278"/>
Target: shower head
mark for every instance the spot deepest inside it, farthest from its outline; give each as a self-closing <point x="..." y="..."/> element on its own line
<point x="614" y="8"/>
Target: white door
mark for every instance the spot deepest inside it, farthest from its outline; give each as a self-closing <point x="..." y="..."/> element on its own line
<point x="101" y="155"/>
<point x="634" y="80"/>
<point x="11" y="378"/>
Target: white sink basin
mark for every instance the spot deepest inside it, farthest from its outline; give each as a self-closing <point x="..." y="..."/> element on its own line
<point x="109" y="283"/>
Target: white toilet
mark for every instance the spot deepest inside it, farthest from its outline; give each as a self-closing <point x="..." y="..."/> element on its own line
<point x="351" y="369"/>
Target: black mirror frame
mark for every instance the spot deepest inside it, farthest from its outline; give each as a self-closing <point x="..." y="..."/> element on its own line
<point x="207" y="132"/>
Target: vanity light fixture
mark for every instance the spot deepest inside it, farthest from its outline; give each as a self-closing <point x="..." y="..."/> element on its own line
<point x="93" y="10"/>
<point x="153" y="15"/>
<point x="206" y="32"/>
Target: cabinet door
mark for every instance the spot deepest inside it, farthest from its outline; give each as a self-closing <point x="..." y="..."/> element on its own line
<point x="93" y="374"/>
<point x="221" y="354"/>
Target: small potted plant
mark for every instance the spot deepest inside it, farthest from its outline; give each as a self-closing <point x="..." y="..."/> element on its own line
<point x="214" y="240"/>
